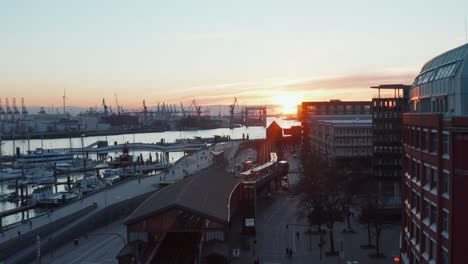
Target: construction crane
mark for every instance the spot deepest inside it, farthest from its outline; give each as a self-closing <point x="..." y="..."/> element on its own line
<point x="117" y="104"/>
<point x="8" y="109"/>
<point x="231" y="110"/>
<point x="24" y="112"/>
<point x="2" y="112"/>
<point x="105" y="106"/>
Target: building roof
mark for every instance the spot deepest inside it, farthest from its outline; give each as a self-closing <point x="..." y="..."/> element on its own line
<point x="351" y="121"/>
<point x="206" y="193"/>
<point x="391" y="86"/>
<point x="443" y="66"/>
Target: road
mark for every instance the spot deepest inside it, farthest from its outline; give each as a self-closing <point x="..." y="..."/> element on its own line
<point x="99" y="247"/>
<point x="273" y="237"/>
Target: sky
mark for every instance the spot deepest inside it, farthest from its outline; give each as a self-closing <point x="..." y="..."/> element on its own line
<point x="273" y="52"/>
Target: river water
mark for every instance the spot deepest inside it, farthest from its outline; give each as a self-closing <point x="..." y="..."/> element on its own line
<point x="9" y="146"/>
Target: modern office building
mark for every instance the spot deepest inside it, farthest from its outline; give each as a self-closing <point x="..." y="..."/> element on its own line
<point x="388" y="107"/>
<point x="435" y="163"/>
<point x="338" y="141"/>
<point x="337" y="131"/>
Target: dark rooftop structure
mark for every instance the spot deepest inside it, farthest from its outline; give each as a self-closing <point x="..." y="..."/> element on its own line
<point x="205" y="194"/>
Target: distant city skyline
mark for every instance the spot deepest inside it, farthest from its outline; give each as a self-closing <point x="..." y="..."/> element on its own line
<point x="271" y="52"/>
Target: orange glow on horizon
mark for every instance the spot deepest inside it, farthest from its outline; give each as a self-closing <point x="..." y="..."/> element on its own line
<point x="288" y="101"/>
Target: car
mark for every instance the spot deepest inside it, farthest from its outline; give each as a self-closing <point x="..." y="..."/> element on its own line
<point x="295" y="156"/>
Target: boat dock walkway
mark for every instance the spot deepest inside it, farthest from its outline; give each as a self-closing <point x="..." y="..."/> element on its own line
<point x="17" y="210"/>
<point x="185" y="166"/>
<point x="159" y="147"/>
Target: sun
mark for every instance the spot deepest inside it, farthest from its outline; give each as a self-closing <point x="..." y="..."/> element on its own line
<point x="288" y="103"/>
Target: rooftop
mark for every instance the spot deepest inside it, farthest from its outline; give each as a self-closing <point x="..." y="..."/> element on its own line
<point x="206" y="193"/>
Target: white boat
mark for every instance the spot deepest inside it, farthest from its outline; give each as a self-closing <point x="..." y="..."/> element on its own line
<point x="61" y="197"/>
<point x="112" y="172"/>
<point x="112" y="179"/>
<point x="10" y="174"/>
<point x="41" y="157"/>
<point x="37" y="173"/>
<point x="46" y="180"/>
<point x="76" y="165"/>
<point x="42" y="193"/>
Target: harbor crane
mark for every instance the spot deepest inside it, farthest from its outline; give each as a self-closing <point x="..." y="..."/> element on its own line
<point x="24" y="112"/>
<point x="182" y="109"/>
<point x="197" y="108"/>
<point x="16" y="113"/>
<point x="8" y="109"/>
<point x="42" y="111"/>
<point x="231" y="110"/>
<point x="105" y="106"/>
<point x="145" y="108"/>
<point x="117" y="104"/>
<point x="2" y="112"/>
<point x="64" y="97"/>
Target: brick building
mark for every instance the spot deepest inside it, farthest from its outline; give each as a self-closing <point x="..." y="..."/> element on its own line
<point x="435" y="163"/>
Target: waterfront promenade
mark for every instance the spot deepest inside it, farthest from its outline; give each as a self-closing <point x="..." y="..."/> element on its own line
<point x="185" y="166"/>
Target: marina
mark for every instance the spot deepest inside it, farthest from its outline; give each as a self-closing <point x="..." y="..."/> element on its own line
<point x="73" y="176"/>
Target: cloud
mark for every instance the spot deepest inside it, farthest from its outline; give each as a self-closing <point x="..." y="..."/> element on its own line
<point x="346" y="87"/>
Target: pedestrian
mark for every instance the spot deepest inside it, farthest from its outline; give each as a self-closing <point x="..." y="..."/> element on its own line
<point x="287" y="252"/>
<point x="297" y="235"/>
<point x="30" y="224"/>
<point x="19" y="233"/>
<point x="290" y="252"/>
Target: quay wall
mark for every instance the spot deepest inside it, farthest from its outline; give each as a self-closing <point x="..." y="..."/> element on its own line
<point x="81" y="227"/>
<point x="29" y="239"/>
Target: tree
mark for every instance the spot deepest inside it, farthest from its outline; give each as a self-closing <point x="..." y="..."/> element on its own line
<point x="311" y="203"/>
<point x="377" y="217"/>
<point x="320" y="203"/>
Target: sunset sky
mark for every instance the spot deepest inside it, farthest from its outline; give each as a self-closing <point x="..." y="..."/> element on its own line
<point x="260" y="51"/>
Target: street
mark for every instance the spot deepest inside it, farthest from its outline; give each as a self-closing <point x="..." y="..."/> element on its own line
<point x="273" y="237"/>
<point x="100" y="246"/>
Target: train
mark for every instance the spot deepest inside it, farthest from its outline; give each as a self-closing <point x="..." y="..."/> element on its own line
<point x="266" y="169"/>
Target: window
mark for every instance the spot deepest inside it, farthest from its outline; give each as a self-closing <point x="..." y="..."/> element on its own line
<point x="427" y="244"/>
<point x="434" y="179"/>
<point x="416" y="234"/>
<point x="434" y="250"/>
<point x="417" y="138"/>
<point x="418" y="168"/>
<point x="427" y="175"/>
<point x="427" y="209"/>
<point x="426" y="140"/>
<point x="444" y="257"/>
<point x="418" y="203"/>
<point x="445" y="221"/>
<point x="445" y="183"/>
<point x="435" y="143"/>
<point x="434" y="214"/>
<point x="445" y="144"/>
